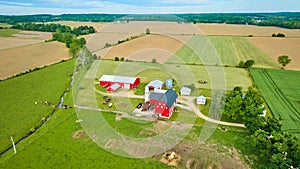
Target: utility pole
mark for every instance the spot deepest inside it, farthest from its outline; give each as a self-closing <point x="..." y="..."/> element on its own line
<point x="13" y="143"/>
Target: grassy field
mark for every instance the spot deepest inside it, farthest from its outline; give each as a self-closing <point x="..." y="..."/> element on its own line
<point x="17" y="60"/>
<point x="42" y="150"/>
<point x="281" y="91"/>
<point x="234" y="76"/>
<point x="8" y="32"/>
<point x="19" y="113"/>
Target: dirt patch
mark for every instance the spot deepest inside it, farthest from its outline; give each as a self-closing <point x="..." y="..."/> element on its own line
<point x="20" y="59"/>
<point x="275" y="47"/>
<point x="146" y="48"/>
<point x="78" y="134"/>
<point x="245" y="30"/>
<point x="196" y="155"/>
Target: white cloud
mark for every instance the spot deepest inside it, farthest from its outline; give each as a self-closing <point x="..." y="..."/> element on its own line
<point x="15" y="3"/>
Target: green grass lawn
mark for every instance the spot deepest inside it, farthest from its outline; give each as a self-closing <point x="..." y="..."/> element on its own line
<point x="8" y="32"/>
<point x="231" y="50"/>
<point x="281" y="90"/>
<point x="19" y="113"/>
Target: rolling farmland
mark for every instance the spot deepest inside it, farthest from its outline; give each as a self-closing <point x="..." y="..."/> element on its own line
<point x="275" y="47"/>
<point x="19" y="113"/>
<point x="245" y="30"/>
<point x="148" y="45"/>
<point x="20" y="59"/>
<point x="281" y="91"/>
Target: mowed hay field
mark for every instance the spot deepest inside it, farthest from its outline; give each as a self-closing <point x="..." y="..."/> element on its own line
<point x="281" y="91"/>
<point x="245" y="30"/>
<point x="275" y="47"/>
<point x="146" y="48"/>
<point x="20" y="59"/>
<point x="232" y="50"/>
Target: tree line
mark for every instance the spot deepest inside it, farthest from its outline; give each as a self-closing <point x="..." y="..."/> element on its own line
<point x="276" y="148"/>
<point x="81" y="30"/>
<point x="289" y="20"/>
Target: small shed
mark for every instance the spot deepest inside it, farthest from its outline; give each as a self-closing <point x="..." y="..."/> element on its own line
<point x="185" y="91"/>
<point x="201" y="100"/>
<point x="113" y="87"/>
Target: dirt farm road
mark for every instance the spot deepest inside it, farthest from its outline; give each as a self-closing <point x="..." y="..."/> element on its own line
<point x="188" y="100"/>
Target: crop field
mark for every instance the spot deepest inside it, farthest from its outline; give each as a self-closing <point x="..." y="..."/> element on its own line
<point x="231" y="50"/>
<point x="233" y="76"/>
<point x="20" y="59"/>
<point x="145" y="48"/>
<point x="281" y="91"/>
<point x="11" y="38"/>
<point x="275" y="47"/>
<point x="166" y="28"/>
<point x="245" y="30"/>
<point x="73" y="24"/>
<point x="19" y="113"/>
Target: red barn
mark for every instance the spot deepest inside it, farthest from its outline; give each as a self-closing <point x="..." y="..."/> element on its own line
<point x="124" y="82"/>
<point x="164" y="103"/>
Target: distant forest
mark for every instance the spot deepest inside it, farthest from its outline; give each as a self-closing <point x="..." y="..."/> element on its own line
<point x="290" y="20"/>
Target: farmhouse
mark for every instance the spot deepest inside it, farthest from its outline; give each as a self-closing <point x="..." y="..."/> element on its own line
<point x="201" y="100"/>
<point x="185" y="91"/>
<point x="163" y="103"/>
<point x="153" y="86"/>
<point x="115" y="82"/>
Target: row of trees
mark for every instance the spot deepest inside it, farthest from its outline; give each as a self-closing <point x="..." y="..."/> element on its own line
<point x="247" y="64"/>
<point x="278" y="35"/>
<point x="72" y="42"/>
<point x="81" y="30"/>
<point x="276" y="148"/>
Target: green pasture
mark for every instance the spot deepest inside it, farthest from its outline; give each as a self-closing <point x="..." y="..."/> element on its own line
<point x="54" y="147"/>
<point x="19" y="113"/>
<point x="8" y="32"/>
<point x="231" y="50"/>
<point x="281" y="90"/>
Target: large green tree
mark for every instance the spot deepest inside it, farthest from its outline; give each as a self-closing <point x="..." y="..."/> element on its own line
<point x="283" y="60"/>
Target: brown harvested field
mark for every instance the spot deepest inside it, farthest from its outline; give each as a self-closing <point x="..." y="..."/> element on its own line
<point x="167" y="28"/>
<point x="275" y="47"/>
<point x="12" y="42"/>
<point x="72" y="24"/>
<point x="16" y="60"/>
<point x="98" y="40"/>
<point x="24" y="38"/>
<point x="33" y="35"/>
<point x="145" y="48"/>
<point x="245" y="30"/>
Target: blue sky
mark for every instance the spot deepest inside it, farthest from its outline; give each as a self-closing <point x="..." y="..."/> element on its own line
<point x="19" y="7"/>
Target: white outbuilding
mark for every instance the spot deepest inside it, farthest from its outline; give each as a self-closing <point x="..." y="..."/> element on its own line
<point x="185" y="91"/>
<point x="201" y="100"/>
